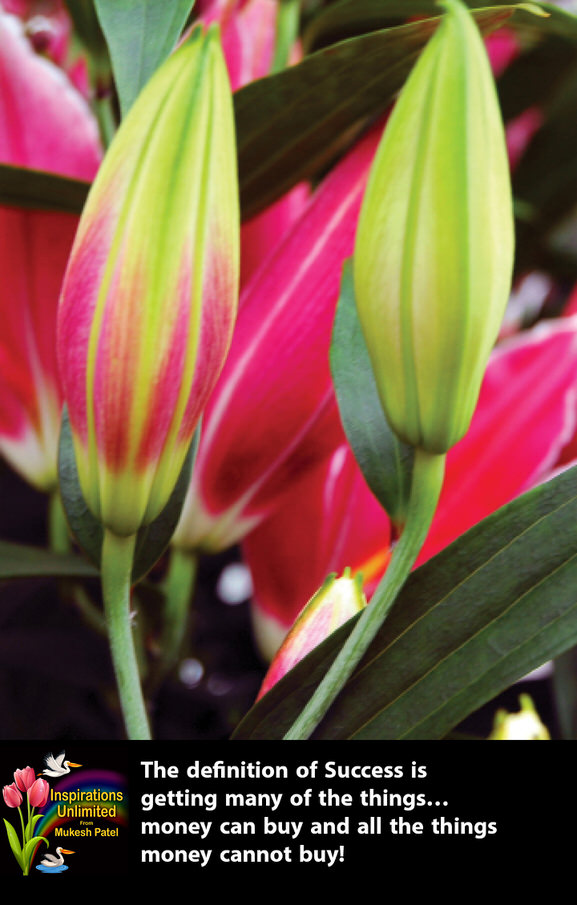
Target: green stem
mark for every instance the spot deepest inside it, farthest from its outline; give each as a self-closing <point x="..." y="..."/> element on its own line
<point x="179" y="589"/>
<point x="116" y="570"/>
<point x="427" y="481"/>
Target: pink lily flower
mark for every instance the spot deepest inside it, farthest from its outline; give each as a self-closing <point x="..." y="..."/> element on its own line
<point x="48" y="27"/>
<point x="24" y="778"/>
<point x="273" y="412"/>
<point x="12" y="796"/>
<point x="526" y="412"/>
<point x="46" y="125"/>
<point x="38" y="793"/>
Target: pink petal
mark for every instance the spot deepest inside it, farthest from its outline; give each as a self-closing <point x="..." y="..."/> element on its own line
<point x="45" y="123"/>
<point x="526" y="413"/>
<point x="520" y="131"/>
<point x="261" y="235"/>
<point x="329" y="522"/>
<point x="271" y="415"/>
<point x="502" y="48"/>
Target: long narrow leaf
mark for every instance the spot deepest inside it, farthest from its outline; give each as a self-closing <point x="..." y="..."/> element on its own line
<point x="497" y="603"/>
<point x="21" y="561"/>
<point x="340" y="20"/>
<point x="20" y="187"/>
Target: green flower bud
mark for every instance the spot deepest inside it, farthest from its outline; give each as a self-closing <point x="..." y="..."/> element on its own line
<point x="525" y="725"/>
<point x="435" y="243"/>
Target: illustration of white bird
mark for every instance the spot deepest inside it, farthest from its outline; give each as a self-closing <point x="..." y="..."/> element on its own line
<point x="57" y="766"/>
<point x="53" y="861"/>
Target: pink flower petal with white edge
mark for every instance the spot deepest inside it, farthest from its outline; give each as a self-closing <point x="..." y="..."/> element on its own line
<point x="525" y="415"/>
<point x="44" y="124"/>
<point x="270" y="417"/>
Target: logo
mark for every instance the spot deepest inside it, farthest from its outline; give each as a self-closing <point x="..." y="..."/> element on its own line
<point x="64" y="804"/>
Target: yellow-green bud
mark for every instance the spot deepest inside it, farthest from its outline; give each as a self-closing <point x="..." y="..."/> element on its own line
<point x="435" y="243"/>
<point x="525" y="725"/>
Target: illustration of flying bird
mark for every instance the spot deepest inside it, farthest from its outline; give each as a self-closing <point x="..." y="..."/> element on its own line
<point x="57" y="766"/>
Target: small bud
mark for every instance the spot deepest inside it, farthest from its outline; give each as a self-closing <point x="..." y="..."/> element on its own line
<point x="434" y="248"/>
<point x="522" y="726"/>
<point x="335" y="602"/>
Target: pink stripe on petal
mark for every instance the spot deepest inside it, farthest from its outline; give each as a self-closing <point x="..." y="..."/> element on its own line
<point x="164" y="394"/>
<point x="261" y="236"/>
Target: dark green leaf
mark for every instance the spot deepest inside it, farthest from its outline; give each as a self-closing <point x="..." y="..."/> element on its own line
<point x="152" y="539"/>
<point x="140" y="35"/>
<point x="20" y="187"/>
<point x="353" y="17"/>
<point x="291" y="124"/>
<point x="546" y="178"/>
<point x="386" y="463"/>
<point x="19" y="561"/>
<point x="497" y="603"/>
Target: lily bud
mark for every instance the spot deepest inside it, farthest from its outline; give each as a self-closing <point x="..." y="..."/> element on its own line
<point x="525" y="725"/>
<point x="336" y="601"/>
<point x="150" y="295"/>
<point x="434" y="246"/>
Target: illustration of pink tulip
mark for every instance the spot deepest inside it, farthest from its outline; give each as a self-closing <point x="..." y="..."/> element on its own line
<point x="46" y="125"/>
<point x="12" y="795"/>
<point x="277" y="377"/>
<point x="24" y="778"/>
<point x="38" y="793"/>
<point x="147" y="311"/>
